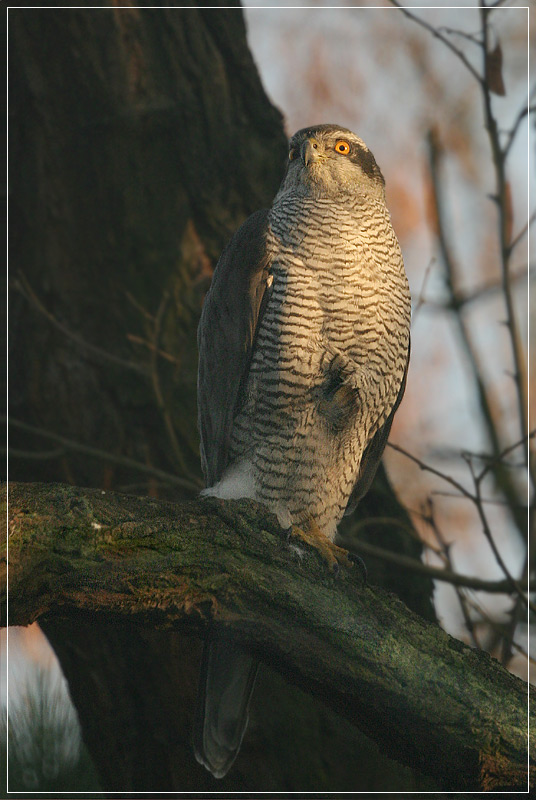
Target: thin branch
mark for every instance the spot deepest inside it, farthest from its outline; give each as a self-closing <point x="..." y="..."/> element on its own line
<point x="438" y="35"/>
<point x="485" y="500"/>
<point x="421" y="299"/>
<point x="157" y="389"/>
<point x="162" y="353"/>
<point x="138" y="306"/>
<point x="478" y="505"/>
<point x="451" y="273"/>
<point x="23" y="286"/>
<point x="35" y="455"/>
<point x="523" y="112"/>
<point x="427" y="468"/>
<point x="507" y="450"/>
<point x="499" y="630"/>
<point x="499" y="159"/>
<point x="390" y="522"/>
<point x="523" y="232"/>
<point x="462" y="299"/>
<point x="437" y="573"/>
<point x="507" y="635"/>
<point x="515" y="616"/>
<point x="471" y="37"/>
<point x="477" y="480"/>
<point x="192" y="486"/>
<point x="495" y="4"/>
<point x="460" y="593"/>
<point x="502" y="478"/>
<point x="465" y="298"/>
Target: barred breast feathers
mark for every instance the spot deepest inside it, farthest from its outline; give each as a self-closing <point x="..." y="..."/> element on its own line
<point x="349" y="269"/>
<point x="338" y="315"/>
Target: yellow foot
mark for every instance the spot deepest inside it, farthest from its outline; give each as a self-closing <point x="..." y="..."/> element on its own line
<point x="334" y="555"/>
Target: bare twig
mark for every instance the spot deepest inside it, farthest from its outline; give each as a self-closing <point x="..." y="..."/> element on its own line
<point x="495" y="4"/>
<point x="489" y="501"/>
<point x="23" y="286"/>
<point x="502" y="478"/>
<point x="162" y="353"/>
<point x="479" y="507"/>
<point x="427" y="468"/>
<point x="523" y="112"/>
<point x="192" y="486"/>
<point x="438" y="35"/>
<point x="155" y="378"/>
<point x="474" y="38"/>
<point x="501" y="196"/>
<point x="505" y="452"/>
<point x="477" y="480"/>
<point x="465" y="298"/>
<point x="515" y="616"/>
<point x="460" y="594"/>
<point x="421" y="299"/>
<point x="35" y="455"/>
<point x="500" y="631"/>
<point x="138" y="306"/>
<point x="522" y="233"/>
<point x="437" y="573"/>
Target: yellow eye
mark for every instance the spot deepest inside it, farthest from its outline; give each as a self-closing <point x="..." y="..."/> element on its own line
<point x="342" y="147"/>
<point x="292" y="154"/>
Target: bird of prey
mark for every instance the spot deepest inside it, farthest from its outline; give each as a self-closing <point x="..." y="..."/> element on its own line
<point x="303" y="354"/>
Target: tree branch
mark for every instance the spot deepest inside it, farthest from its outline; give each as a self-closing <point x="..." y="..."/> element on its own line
<point x="436" y="33"/>
<point x="437" y="573"/>
<point x="192" y="485"/>
<point x="478" y="503"/>
<point x="504" y="232"/>
<point x="427" y="699"/>
<point x="22" y="285"/>
<point x="502" y="478"/>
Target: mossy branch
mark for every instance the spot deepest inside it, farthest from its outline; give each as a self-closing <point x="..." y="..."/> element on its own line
<point x="427" y="699"/>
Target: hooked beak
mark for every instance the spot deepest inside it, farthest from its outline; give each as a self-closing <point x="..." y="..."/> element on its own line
<point x="311" y="151"/>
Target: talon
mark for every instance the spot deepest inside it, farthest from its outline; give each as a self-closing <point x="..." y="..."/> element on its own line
<point x="287" y="533"/>
<point x="334" y="555"/>
<point x="360" y="564"/>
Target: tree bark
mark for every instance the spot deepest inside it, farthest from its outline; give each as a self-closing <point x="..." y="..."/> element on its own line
<point x="427" y="699"/>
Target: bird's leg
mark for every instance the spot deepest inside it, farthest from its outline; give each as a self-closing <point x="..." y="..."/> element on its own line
<point x="334" y="555"/>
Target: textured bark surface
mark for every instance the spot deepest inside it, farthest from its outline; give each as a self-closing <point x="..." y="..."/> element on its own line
<point x="424" y="697"/>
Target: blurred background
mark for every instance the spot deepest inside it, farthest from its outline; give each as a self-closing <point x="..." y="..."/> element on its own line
<point x="422" y="112"/>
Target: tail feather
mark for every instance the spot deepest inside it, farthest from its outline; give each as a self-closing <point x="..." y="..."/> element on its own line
<point x="225" y="688"/>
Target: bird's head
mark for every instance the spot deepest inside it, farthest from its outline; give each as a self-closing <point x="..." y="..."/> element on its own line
<point x="327" y="161"/>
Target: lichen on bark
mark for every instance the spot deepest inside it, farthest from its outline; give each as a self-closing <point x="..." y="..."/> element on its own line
<point x="427" y="699"/>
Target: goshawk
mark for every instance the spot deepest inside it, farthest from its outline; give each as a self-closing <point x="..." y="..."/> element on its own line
<point x="303" y="354"/>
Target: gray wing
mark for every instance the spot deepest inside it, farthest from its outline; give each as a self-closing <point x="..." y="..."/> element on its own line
<point x="226" y="337"/>
<point x="373" y="452"/>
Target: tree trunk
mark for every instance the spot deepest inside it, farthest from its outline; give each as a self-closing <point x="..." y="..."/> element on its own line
<point x="86" y="556"/>
<point x="140" y="140"/>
